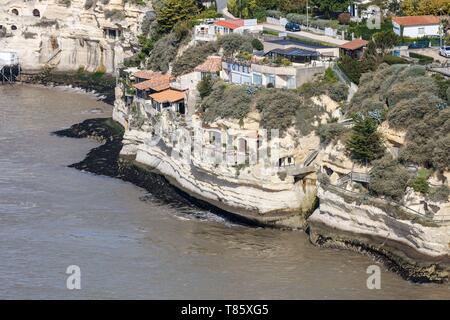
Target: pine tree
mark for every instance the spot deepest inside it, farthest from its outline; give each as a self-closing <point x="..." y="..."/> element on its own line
<point x="174" y="11"/>
<point x="365" y="143"/>
<point x="204" y="87"/>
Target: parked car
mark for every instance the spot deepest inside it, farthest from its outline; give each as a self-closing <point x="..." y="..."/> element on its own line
<point x="292" y="26"/>
<point x="445" y="52"/>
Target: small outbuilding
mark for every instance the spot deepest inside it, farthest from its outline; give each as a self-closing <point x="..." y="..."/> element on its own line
<point x="354" y="49"/>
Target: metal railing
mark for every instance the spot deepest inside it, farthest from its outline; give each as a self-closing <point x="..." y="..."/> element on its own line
<point x="354" y="176"/>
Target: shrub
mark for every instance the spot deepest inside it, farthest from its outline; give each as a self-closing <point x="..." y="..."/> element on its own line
<point x="420" y="182"/>
<point x="410" y="100"/>
<point x="330" y="76"/>
<point x="353" y="68"/>
<point x="193" y="57"/>
<point x="422" y="59"/>
<point x="330" y="132"/>
<point x="226" y="101"/>
<point x="389" y="59"/>
<point x="257" y="45"/>
<point x="163" y="53"/>
<point x="344" y="18"/>
<point x="89" y="4"/>
<point x="205" y="87"/>
<point x="338" y="92"/>
<point x="406" y="112"/>
<point x="273" y="13"/>
<point x="440" y="156"/>
<point x="444" y="87"/>
<point x="235" y="43"/>
<point x="279" y="109"/>
<point x="439" y="194"/>
<point x="388" y="178"/>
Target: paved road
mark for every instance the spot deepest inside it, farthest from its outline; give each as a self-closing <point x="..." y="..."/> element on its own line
<point x="431" y="52"/>
<point x="221" y="4"/>
<point x="304" y="34"/>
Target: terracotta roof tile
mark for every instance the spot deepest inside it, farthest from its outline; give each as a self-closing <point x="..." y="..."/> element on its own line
<point x="354" y="45"/>
<point x="168" y="96"/>
<point x="416" y="20"/>
<point x="144" y="74"/>
<point x="157" y="82"/>
<point x="230" y="24"/>
<point x="212" y="64"/>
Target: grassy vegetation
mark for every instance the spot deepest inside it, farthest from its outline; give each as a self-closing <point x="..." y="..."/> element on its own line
<point x="423" y="60"/>
<point x="410" y="100"/>
<point x="279" y="109"/>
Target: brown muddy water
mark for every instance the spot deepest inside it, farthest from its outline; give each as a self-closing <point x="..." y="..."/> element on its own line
<point x="52" y="216"/>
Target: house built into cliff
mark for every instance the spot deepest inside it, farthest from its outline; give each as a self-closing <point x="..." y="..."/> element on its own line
<point x="154" y="92"/>
<point x="268" y="74"/>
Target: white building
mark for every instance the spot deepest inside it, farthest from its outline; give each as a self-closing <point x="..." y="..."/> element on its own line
<point x="265" y="75"/>
<point x="416" y="26"/>
<point x="210" y="30"/>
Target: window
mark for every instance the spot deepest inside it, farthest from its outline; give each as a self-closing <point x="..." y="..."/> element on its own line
<point x="257" y="79"/>
<point x="271" y="80"/>
<point x="291" y="83"/>
<point x="13" y="27"/>
<point x="422" y="31"/>
<point x="15" y="12"/>
<point x="36" y="13"/>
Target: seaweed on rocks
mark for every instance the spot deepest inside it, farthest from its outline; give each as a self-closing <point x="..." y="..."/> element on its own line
<point x="106" y="160"/>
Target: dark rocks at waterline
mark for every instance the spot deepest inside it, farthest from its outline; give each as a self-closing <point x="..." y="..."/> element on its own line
<point x="102" y="84"/>
<point x="103" y="159"/>
<point x="106" y="160"/>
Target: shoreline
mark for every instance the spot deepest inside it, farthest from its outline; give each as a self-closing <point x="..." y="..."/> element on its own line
<point x="106" y="160"/>
<point x="100" y="86"/>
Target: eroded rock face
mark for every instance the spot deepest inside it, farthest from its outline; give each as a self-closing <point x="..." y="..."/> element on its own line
<point x="71" y="34"/>
<point x="419" y="251"/>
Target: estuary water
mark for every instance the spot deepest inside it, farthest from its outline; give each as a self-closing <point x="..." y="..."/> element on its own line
<point x="52" y="217"/>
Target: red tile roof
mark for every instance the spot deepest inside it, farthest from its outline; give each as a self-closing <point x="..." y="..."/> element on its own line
<point x="416" y="20"/>
<point x="168" y="96"/>
<point x="354" y="45"/>
<point x="157" y="81"/>
<point x="144" y="74"/>
<point x="212" y="64"/>
<point x="230" y="24"/>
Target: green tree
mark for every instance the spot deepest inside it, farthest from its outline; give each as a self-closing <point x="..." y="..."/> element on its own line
<point x="330" y="7"/>
<point x="293" y="6"/>
<point x="205" y="86"/>
<point x="175" y="11"/>
<point x="365" y="143"/>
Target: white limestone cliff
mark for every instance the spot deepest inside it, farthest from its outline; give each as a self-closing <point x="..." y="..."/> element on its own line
<point x="69" y="35"/>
